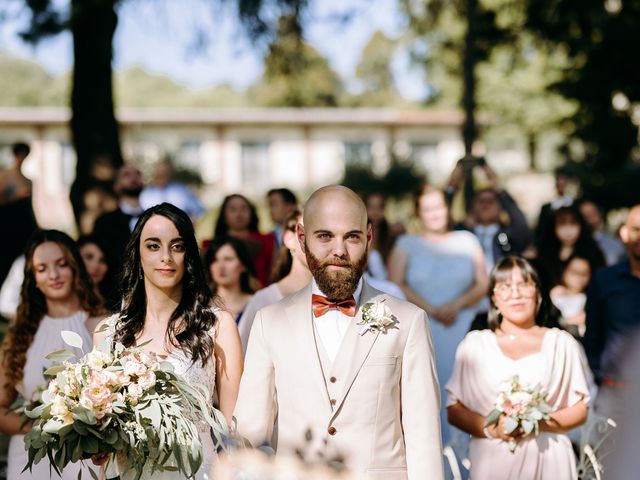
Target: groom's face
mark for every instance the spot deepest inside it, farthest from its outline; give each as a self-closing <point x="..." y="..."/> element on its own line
<point x="335" y="238"/>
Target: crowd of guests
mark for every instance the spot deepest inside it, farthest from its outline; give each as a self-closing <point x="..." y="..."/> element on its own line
<point x="502" y="299"/>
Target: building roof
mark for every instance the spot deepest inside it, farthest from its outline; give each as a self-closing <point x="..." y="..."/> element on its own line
<point x="244" y="116"/>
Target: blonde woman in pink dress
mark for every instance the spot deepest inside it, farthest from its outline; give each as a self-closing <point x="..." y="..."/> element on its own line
<point x="518" y="343"/>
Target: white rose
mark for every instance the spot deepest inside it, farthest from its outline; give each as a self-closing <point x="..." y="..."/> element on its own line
<point x="133" y="367"/>
<point x="134" y="391"/>
<point x="521" y="398"/>
<point x="86" y="402"/>
<point x="379" y="315"/>
<point x="71" y="389"/>
<point x="53" y="387"/>
<point x="147" y="380"/>
<point x="59" y="406"/>
<point x="97" y="359"/>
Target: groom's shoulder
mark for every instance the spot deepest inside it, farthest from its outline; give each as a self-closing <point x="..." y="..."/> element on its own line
<point x="398" y="306"/>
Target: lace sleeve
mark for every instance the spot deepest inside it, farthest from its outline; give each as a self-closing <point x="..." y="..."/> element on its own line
<point x="213" y="331"/>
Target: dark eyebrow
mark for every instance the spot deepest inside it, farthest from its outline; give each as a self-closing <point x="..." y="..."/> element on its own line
<point x="156" y="239"/>
<point x="351" y="232"/>
<point x="323" y="231"/>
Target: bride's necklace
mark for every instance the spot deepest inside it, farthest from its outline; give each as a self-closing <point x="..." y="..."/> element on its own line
<point x="511" y="336"/>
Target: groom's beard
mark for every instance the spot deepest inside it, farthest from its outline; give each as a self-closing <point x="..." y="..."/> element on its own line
<point x="336" y="284"/>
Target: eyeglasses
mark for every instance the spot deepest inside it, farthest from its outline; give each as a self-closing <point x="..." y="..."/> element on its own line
<point x="504" y="290"/>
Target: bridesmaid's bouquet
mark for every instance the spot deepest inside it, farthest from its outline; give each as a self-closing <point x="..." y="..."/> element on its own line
<point x="524" y="407"/>
<point x="123" y="402"/>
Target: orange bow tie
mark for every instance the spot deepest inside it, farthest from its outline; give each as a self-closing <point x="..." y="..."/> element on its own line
<point x="322" y="305"/>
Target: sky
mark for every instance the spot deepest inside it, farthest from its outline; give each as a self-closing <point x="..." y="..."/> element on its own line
<point x="162" y="36"/>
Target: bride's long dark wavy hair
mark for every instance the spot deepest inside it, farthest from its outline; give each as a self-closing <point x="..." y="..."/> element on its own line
<point x="193" y="318"/>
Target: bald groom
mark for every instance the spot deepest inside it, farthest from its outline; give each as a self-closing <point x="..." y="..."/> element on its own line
<point x="339" y="359"/>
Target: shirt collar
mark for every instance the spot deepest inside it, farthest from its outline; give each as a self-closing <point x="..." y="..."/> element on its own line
<point x="564" y="201"/>
<point x="315" y="289"/>
<point x="490" y="229"/>
<point x="129" y="210"/>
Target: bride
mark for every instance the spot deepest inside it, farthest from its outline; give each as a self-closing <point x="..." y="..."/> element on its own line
<point x="166" y="302"/>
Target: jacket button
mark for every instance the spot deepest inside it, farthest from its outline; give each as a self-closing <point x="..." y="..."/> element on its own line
<point x="332" y="379"/>
<point x="333" y="401"/>
<point x="332" y="430"/>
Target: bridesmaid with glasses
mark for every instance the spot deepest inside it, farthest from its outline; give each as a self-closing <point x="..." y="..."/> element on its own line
<point x="518" y="342"/>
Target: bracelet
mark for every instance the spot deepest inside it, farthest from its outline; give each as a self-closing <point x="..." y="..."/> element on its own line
<point x="487" y="433"/>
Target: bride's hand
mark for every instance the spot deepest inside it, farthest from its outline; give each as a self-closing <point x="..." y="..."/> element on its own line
<point x="100" y="459"/>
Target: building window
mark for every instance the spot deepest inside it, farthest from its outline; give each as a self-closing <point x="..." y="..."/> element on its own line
<point x="189" y="155"/>
<point x="358" y="154"/>
<point x="424" y="155"/>
<point x="255" y="165"/>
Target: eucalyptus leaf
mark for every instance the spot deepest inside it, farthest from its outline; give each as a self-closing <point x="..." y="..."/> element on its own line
<point x="72" y="339"/>
<point x="492" y="418"/>
<point x="527" y="426"/>
<point x="54" y="370"/>
<point x="84" y="415"/>
<point x="90" y="444"/>
<point x="60" y="355"/>
<point x="510" y="424"/>
<point x="102" y="328"/>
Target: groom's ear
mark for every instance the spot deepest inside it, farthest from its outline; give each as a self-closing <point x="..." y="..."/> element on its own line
<point x="369" y="233"/>
<point x="301" y="236"/>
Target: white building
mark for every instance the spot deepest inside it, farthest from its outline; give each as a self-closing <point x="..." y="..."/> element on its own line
<point x="246" y="150"/>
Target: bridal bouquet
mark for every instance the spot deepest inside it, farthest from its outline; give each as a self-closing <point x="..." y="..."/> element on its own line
<point x="523" y="406"/>
<point x="124" y="402"/>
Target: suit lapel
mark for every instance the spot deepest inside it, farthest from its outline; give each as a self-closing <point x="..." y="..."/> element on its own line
<point x="354" y="349"/>
<point x="300" y="318"/>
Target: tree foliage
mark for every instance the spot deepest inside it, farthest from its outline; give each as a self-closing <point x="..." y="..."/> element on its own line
<point x="374" y="73"/>
<point x="26" y="84"/>
<point x="295" y="74"/>
<point x="515" y="71"/>
<point x="600" y="39"/>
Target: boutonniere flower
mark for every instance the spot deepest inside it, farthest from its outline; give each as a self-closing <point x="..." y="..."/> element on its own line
<point x="376" y="316"/>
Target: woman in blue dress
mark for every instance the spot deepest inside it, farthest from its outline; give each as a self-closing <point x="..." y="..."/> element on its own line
<point x="443" y="272"/>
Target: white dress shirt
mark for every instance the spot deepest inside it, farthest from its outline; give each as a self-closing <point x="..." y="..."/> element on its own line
<point x="135" y="213"/>
<point x="332" y="326"/>
<point x="175" y="193"/>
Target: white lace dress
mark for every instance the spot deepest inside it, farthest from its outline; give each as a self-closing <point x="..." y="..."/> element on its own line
<point x="194" y="374"/>
<point x="46" y="340"/>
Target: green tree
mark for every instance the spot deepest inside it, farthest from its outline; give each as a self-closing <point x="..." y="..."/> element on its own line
<point x="26" y="84"/>
<point x="374" y="73"/>
<point x="92" y="24"/>
<point x="295" y="74"/>
<point x="600" y="39"/>
<point x="514" y="73"/>
<point x="374" y="68"/>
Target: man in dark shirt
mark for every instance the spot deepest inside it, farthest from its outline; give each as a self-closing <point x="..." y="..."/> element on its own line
<point x="613" y="306"/>
<point x="114" y="228"/>
<point x="613" y="314"/>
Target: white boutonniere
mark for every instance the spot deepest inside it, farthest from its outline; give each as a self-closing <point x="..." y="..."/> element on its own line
<point x="376" y="316"/>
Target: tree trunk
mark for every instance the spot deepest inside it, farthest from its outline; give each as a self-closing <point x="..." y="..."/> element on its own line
<point x="469" y="129"/>
<point x="532" y="146"/>
<point x="93" y="124"/>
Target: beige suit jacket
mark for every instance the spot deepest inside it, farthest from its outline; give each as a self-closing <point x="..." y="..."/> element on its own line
<point x="377" y="406"/>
